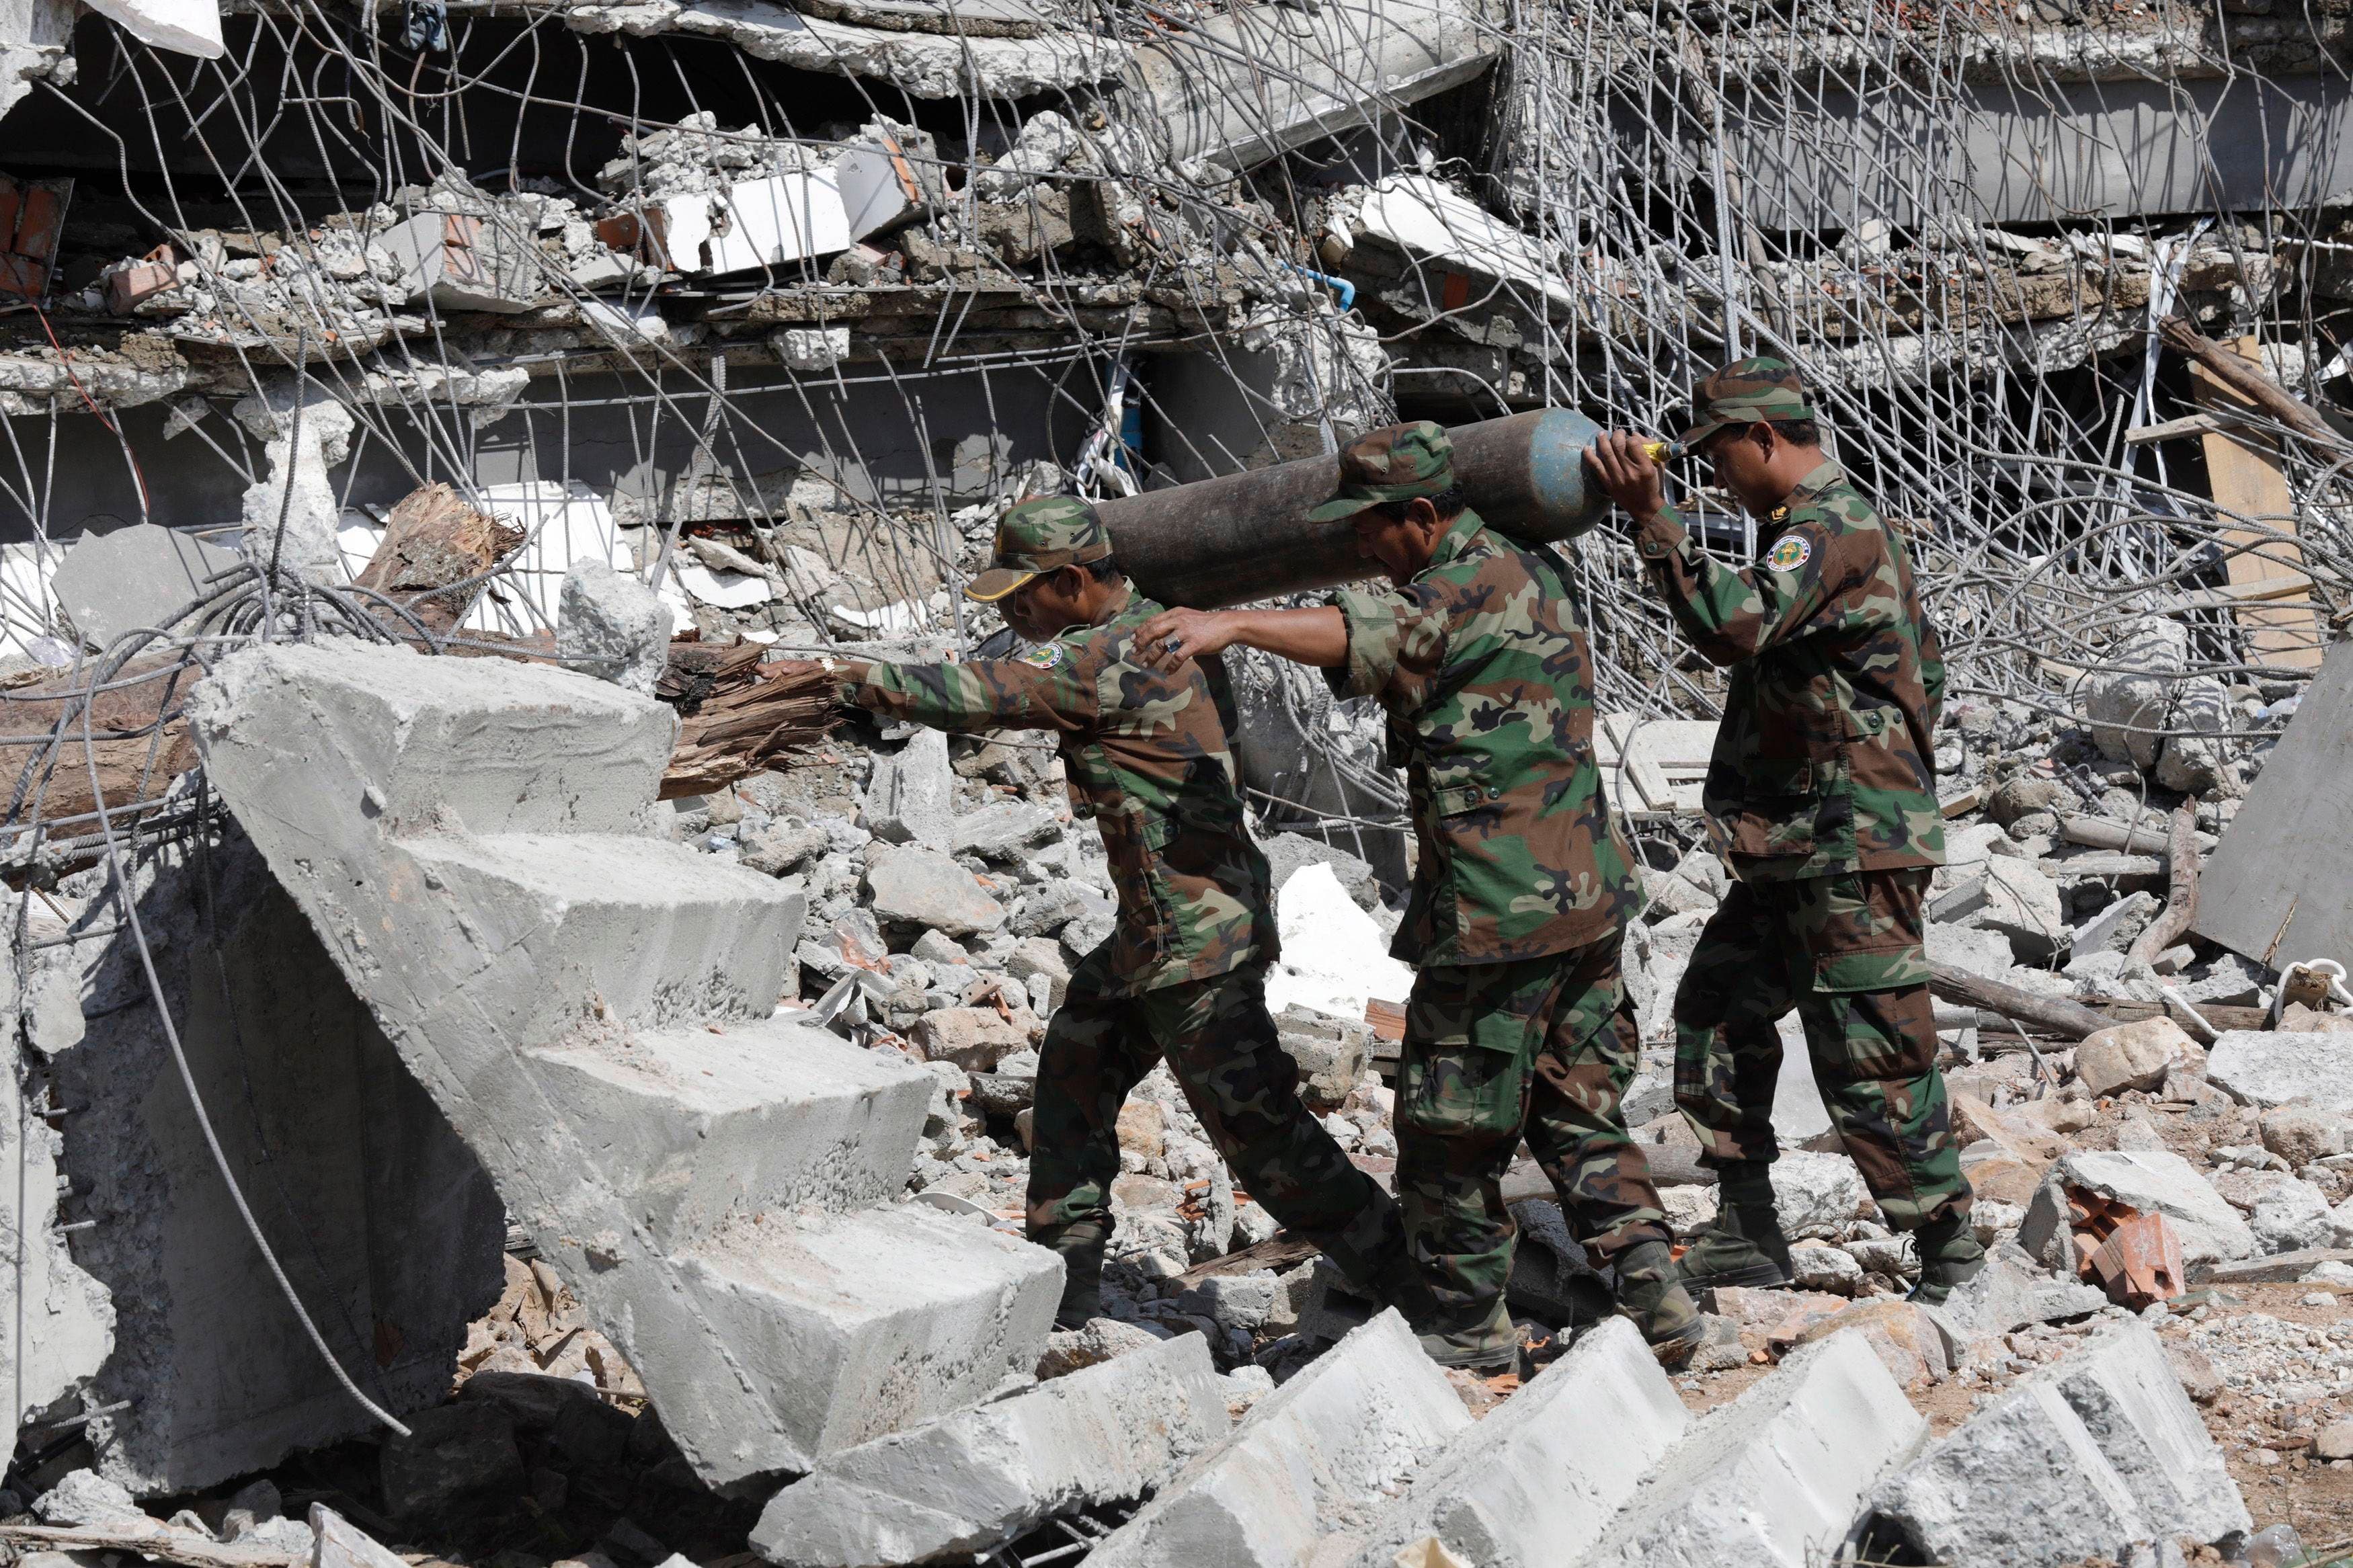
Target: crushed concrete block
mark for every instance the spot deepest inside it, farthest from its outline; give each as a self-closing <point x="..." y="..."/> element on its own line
<point x="85" y="1499"/>
<point x="922" y="889"/>
<point x="1816" y="1194"/>
<point x="2268" y="1068"/>
<point x="2024" y="906"/>
<point x="1314" y="1454"/>
<point x="1776" y="1477"/>
<point x="2021" y="1483"/>
<point x="462" y="262"/>
<point x="2005" y="1295"/>
<point x="304" y="432"/>
<point x="972" y="1481"/>
<point x="1523" y="1484"/>
<point x="973" y="1038"/>
<point x="2112" y="929"/>
<point x="911" y="798"/>
<point x="2123" y="1386"/>
<point x="1330" y="1052"/>
<point x="2209" y="1228"/>
<point x="2301" y="1134"/>
<point x="2082" y="1458"/>
<point x="142" y="575"/>
<point x="2131" y="1055"/>
<point x="1003" y="830"/>
<point x="1096" y="1342"/>
<point x="1909" y="1340"/>
<point x="612" y="625"/>
<point x="880" y="187"/>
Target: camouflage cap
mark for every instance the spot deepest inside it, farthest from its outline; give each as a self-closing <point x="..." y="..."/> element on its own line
<point x="1040" y="536"/>
<point x="1396" y="464"/>
<point x="1746" y="392"/>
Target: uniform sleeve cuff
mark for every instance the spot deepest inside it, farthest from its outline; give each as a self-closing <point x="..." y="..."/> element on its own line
<point x="852" y="677"/>
<point x="1372" y="623"/>
<point x="1660" y="536"/>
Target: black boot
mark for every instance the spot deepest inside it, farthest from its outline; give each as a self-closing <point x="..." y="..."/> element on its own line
<point x="1650" y="1292"/>
<point x="1082" y="1248"/>
<point x="1743" y="1244"/>
<point x="1949" y="1254"/>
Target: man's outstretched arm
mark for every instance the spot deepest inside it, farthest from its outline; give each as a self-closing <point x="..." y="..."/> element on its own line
<point x="1317" y="635"/>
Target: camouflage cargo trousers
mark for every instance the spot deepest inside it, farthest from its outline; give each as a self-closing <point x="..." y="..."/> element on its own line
<point x="1221" y="1045"/>
<point x="1846" y="951"/>
<point x="1540" y="1049"/>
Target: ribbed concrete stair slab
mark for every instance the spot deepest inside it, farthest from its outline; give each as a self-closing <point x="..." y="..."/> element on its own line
<point x="590" y="1006"/>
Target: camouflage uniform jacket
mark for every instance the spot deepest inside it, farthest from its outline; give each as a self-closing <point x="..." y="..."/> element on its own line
<point x="1488" y="684"/>
<point x="1147" y="758"/>
<point x="1825" y="759"/>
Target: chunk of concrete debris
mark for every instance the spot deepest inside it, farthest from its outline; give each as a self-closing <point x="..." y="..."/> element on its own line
<point x="337" y="1542"/>
<point x="1816" y="1194"/>
<point x="612" y="625"/>
<point x="1910" y="1343"/>
<point x="1318" y="1452"/>
<point x="970" y="1481"/>
<point x="2209" y="1228"/>
<point x="2023" y="905"/>
<point x="923" y="890"/>
<point x="463" y="262"/>
<point x="1331" y="1053"/>
<point x="142" y="575"/>
<point x="1777" y="1476"/>
<point x="2101" y="1449"/>
<point x="2302" y="1135"/>
<point x="973" y="1038"/>
<point x="2131" y="1055"/>
<point x="83" y="1499"/>
<point x="2284" y="1067"/>
<point x="911" y="798"/>
<point x="1527" y="1481"/>
<point x="1095" y="1341"/>
<point x="2007" y="1294"/>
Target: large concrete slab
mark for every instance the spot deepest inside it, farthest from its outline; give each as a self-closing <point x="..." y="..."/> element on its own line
<point x="970" y="1481"/>
<point x="590" y="1006"/>
<point x="2274" y="889"/>
<point x="2124" y="1388"/>
<point x="1519" y="1485"/>
<point x="1777" y="1475"/>
<point x="1317" y="1454"/>
<point x="2284" y="1067"/>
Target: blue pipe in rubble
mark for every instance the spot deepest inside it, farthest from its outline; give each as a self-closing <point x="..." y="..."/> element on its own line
<point x="1340" y="286"/>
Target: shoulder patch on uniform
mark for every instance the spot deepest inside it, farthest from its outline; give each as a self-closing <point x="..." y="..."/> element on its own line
<point x="1789" y="552"/>
<point x="1046" y="655"/>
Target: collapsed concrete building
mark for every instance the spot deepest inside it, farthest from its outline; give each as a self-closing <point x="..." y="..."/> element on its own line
<point x="347" y="976"/>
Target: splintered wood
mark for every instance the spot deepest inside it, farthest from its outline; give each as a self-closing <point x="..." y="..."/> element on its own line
<point x="2251" y="498"/>
<point x="739" y="718"/>
<point x="432" y="540"/>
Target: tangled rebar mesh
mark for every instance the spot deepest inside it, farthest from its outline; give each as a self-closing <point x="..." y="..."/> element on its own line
<point x="1569" y="203"/>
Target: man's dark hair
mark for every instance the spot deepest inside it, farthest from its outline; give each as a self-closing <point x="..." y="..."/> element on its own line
<point x="1797" y="432"/>
<point x="1448" y="503"/>
<point x="1103" y="571"/>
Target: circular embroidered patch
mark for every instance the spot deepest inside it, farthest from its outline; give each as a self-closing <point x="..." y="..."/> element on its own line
<point x="1789" y="552"/>
<point x="1043" y="657"/>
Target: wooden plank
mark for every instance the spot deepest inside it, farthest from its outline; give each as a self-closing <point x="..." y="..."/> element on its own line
<point x="2274" y="888"/>
<point x="2245" y="474"/>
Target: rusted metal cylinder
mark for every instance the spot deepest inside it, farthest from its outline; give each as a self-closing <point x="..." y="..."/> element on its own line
<point x="1245" y="536"/>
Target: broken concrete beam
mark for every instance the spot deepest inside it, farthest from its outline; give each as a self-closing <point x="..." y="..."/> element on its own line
<point x="1247" y="86"/>
<point x="462" y="262"/>
<point x="1777" y="1476"/>
<point x="1325" y="1444"/>
<point x="2284" y="1068"/>
<point x="1522" y="1484"/>
<point x="591" y="1007"/>
<point x="974" y="1480"/>
<point x="2078" y="1461"/>
<point x="779" y="221"/>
